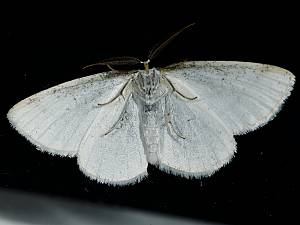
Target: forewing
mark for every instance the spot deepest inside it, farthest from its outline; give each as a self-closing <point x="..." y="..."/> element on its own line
<point x="244" y="95"/>
<point x="197" y="142"/>
<point x="57" y="119"/>
<point x="116" y="157"/>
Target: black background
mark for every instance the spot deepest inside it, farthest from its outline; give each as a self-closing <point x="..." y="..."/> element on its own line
<point x="48" y="44"/>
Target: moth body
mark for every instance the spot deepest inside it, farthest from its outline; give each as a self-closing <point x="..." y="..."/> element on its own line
<point x="149" y="94"/>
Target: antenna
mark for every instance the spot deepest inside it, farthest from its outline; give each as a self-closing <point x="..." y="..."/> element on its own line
<point x="124" y="60"/>
<point x="127" y="60"/>
<point x="160" y="46"/>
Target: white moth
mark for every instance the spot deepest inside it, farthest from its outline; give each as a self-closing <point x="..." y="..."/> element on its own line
<point x="182" y="118"/>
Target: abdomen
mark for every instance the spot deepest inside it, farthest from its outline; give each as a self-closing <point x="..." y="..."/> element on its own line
<point x="151" y="123"/>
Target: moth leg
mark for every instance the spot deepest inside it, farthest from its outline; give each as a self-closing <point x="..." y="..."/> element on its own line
<point x="169" y="123"/>
<point x="118" y="121"/>
<point x="109" y="67"/>
<point x="177" y="132"/>
<point x="120" y="93"/>
<point x="178" y="92"/>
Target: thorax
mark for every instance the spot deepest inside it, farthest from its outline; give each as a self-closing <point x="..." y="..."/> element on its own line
<point x="148" y="86"/>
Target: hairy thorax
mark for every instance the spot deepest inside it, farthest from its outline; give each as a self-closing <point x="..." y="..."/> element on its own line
<point x="149" y="86"/>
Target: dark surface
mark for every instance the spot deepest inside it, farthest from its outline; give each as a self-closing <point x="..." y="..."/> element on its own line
<point x="19" y="208"/>
<point x="49" y="45"/>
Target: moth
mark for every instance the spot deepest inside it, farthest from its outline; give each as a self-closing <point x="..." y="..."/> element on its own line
<point x="181" y="118"/>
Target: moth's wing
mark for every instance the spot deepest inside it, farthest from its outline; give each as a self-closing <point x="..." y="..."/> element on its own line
<point x="117" y="157"/>
<point x="56" y="120"/>
<point x="244" y="95"/>
<point x="197" y="142"/>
